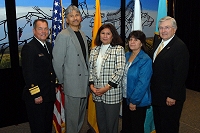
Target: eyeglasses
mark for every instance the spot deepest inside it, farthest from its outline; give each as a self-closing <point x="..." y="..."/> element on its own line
<point x="164" y="28"/>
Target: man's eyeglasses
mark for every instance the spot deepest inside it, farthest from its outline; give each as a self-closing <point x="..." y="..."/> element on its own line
<point x="165" y="28"/>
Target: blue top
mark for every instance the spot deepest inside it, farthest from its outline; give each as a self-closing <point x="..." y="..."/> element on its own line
<point x="138" y="80"/>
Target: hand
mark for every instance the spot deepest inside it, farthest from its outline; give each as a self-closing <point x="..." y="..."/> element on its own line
<point x="93" y="89"/>
<point x="132" y="107"/>
<point x="170" y="101"/>
<point x="38" y="100"/>
<point x="101" y="91"/>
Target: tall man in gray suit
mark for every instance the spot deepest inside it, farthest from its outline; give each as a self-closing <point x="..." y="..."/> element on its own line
<point x="70" y="62"/>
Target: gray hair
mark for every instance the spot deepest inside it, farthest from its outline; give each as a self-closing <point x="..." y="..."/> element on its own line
<point x="69" y="9"/>
<point x="173" y="21"/>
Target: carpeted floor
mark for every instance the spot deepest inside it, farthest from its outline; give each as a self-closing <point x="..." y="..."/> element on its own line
<point x="190" y="118"/>
<point x="189" y="123"/>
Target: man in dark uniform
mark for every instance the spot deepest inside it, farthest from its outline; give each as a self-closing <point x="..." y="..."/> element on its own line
<point x="39" y="92"/>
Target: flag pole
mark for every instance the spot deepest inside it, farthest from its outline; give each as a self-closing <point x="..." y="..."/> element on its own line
<point x="137" y="22"/>
<point x="97" y="22"/>
<point x="62" y="13"/>
<point x="57" y="26"/>
<point x="162" y="12"/>
<point x="91" y="105"/>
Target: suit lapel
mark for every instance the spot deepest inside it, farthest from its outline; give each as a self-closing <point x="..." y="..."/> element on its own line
<point x="166" y="48"/>
<point x="155" y="47"/>
<point x="41" y="48"/>
<point x="49" y="46"/>
<point x="108" y="52"/>
<point x="136" y="58"/>
<point x="96" y="54"/>
<point x="77" y="45"/>
<point x="86" y="46"/>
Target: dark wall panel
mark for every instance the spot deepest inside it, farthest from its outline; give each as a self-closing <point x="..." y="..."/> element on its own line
<point x="187" y="16"/>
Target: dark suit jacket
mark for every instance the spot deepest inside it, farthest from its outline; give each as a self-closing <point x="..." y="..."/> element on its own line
<point x="38" y="71"/>
<point x="170" y="70"/>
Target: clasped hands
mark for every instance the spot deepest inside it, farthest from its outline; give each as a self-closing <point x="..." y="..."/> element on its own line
<point x="99" y="91"/>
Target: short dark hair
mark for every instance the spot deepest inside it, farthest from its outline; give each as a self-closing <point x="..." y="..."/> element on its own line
<point x="138" y="34"/>
<point x="35" y="22"/>
<point x="116" y="38"/>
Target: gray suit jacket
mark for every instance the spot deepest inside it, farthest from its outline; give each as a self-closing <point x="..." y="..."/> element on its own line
<point x="69" y="64"/>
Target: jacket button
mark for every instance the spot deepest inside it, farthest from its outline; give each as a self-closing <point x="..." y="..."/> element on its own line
<point x="78" y="64"/>
<point x="79" y="74"/>
<point x="77" y="54"/>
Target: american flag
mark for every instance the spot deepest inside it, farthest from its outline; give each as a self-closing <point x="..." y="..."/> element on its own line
<point x="56" y="19"/>
<point x="58" y="114"/>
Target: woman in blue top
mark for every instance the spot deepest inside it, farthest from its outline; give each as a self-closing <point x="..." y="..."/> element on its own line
<point x="136" y="84"/>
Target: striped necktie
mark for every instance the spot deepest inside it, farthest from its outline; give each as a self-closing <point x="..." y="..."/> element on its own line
<point x="160" y="47"/>
<point x="45" y="46"/>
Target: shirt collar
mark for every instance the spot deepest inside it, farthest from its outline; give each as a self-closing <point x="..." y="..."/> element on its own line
<point x="166" y="42"/>
<point x="41" y="42"/>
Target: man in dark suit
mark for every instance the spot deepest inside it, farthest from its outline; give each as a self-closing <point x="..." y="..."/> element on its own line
<point x="170" y="68"/>
<point x="39" y="76"/>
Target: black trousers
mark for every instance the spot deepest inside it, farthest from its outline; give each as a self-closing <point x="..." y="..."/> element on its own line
<point x="40" y="116"/>
<point x="166" y="118"/>
<point x="133" y="121"/>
